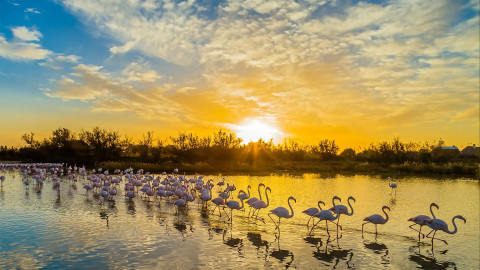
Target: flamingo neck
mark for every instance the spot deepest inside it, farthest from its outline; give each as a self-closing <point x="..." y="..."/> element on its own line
<point x="431" y="210"/>
<point x="266" y="195"/>
<point x="319" y="206"/>
<point x="454" y="226"/>
<point x="291" y="208"/>
<point x="351" y="213"/>
<point x="386" y="219"/>
<point x="248" y="190"/>
<point x="259" y="193"/>
<point x="242" y="205"/>
<point x="333" y="201"/>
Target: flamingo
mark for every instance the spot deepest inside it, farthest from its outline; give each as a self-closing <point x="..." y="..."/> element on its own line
<point x="281" y="212"/>
<point x="2" y="178"/>
<point x="342" y="209"/>
<point x="207" y="197"/>
<point x="180" y="202"/>
<point x="251" y="200"/>
<point x="437" y="224"/>
<point x="327" y="215"/>
<point x="376" y="219"/>
<point x="258" y="205"/>
<point x="233" y="205"/>
<point x="313" y="211"/>
<point x="393" y="186"/>
<point x="420" y="220"/>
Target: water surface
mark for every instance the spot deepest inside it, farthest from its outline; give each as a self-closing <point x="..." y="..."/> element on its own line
<point x="38" y="229"/>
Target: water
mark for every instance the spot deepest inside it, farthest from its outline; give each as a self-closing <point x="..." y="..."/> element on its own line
<point x="41" y="230"/>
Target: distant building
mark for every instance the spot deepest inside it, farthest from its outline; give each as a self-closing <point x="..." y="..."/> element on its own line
<point x="445" y="153"/>
<point x="471" y="151"/>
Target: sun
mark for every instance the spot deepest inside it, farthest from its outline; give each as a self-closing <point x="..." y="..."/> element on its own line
<point x="251" y="130"/>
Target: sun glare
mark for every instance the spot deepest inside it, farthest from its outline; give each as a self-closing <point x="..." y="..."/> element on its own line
<point x="252" y="130"/>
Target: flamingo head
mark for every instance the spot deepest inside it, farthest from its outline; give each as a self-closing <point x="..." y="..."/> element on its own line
<point x="386" y="207"/>
<point x="268" y="188"/>
<point x="429" y="221"/>
<point x="292" y="198"/>
<point x="410" y="219"/>
<point x="351" y="198"/>
<point x="434" y="205"/>
<point x="462" y="218"/>
<point x="337" y="198"/>
<point x="321" y="202"/>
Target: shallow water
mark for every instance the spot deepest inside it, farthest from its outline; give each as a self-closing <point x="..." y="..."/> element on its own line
<point x="40" y="230"/>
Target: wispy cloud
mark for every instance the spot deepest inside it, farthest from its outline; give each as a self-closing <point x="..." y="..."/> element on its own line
<point x="330" y="64"/>
<point x="32" y="10"/>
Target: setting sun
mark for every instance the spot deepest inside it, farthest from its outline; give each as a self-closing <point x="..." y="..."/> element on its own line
<point x="251" y="130"/>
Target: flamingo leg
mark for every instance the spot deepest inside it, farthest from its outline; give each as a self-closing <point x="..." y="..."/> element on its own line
<point x="433" y="237"/>
<point x="276" y="226"/>
<point x="308" y="222"/>
<point x="326" y="224"/>
<point x="315" y="225"/>
<point x="411" y="227"/>
<point x="338" y="221"/>
<point x="362" y="227"/>
<point x="376" y="232"/>
<point x="226" y="214"/>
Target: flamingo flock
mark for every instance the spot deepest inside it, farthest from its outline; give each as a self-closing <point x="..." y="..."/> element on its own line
<point x="182" y="191"/>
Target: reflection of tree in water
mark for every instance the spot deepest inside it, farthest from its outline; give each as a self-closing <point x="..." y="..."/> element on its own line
<point x="429" y="262"/>
<point x="333" y="256"/>
<point x="379" y="248"/>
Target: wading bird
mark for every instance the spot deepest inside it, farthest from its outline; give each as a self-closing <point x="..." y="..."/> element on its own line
<point x="343" y="210"/>
<point x="281" y="212"/>
<point x="420" y="220"/>
<point x="376" y="219"/>
<point x="437" y="224"/>
<point x="313" y="211"/>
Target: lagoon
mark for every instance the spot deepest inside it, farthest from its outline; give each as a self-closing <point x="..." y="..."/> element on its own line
<point x="42" y="230"/>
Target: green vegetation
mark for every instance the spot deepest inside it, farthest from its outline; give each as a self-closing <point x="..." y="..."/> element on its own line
<point x="224" y="152"/>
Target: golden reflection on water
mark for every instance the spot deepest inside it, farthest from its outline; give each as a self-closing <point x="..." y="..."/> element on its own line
<point x="70" y="229"/>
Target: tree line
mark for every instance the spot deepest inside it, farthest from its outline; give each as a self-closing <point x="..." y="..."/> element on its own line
<point x="91" y="147"/>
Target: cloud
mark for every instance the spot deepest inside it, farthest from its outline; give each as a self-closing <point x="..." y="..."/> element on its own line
<point x="107" y="92"/>
<point x="32" y="10"/>
<point x="22" y="51"/>
<point x="57" y="61"/>
<point x="23" y="33"/>
<point x="335" y="65"/>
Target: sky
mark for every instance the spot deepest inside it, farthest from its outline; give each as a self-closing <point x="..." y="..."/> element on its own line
<point x="357" y="72"/>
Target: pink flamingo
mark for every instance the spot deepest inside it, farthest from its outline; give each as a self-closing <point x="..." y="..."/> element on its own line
<point x="251" y="200"/>
<point x="393" y="186"/>
<point x="258" y="205"/>
<point x="233" y="205"/>
<point x="376" y="219"/>
<point x="313" y="211"/>
<point x="342" y="209"/>
<point x="437" y="224"/>
<point x="327" y="216"/>
<point x="281" y="212"/>
<point x="420" y="220"/>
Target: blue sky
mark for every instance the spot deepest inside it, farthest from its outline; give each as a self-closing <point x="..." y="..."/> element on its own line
<point x="354" y="71"/>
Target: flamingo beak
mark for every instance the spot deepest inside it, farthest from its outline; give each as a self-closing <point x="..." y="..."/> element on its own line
<point x="410" y="219"/>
